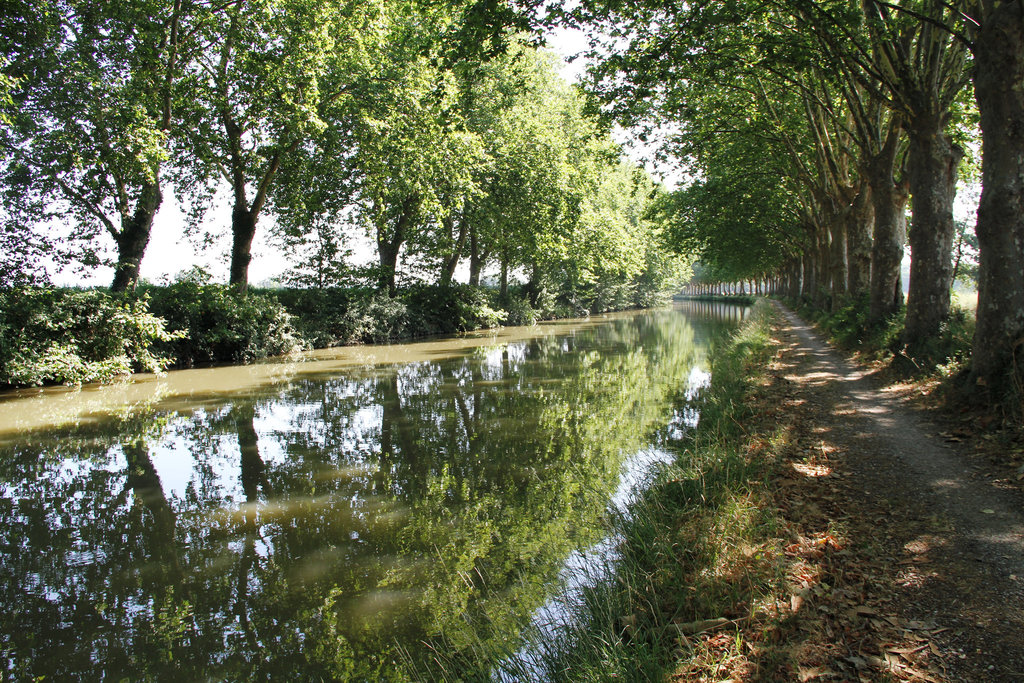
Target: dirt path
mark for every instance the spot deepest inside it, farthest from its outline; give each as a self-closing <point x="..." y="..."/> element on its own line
<point x="929" y="581"/>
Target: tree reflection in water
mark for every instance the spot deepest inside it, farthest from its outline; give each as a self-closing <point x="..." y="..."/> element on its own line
<point x="362" y="525"/>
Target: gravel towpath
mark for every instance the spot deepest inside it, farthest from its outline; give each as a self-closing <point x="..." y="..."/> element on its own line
<point x="947" y="543"/>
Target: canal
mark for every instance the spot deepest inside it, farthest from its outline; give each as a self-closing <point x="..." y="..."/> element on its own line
<point x="366" y="513"/>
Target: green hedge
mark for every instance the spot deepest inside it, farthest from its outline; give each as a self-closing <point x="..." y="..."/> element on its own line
<point x="69" y="336"/>
<point x="218" y="324"/>
<point x="435" y="309"/>
<point x="50" y="335"/>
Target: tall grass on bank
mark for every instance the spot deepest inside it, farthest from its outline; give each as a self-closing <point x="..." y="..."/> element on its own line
<point x="695" y="549"/>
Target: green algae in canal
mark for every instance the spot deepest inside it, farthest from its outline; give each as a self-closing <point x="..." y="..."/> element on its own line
<point x="344" y="516"/>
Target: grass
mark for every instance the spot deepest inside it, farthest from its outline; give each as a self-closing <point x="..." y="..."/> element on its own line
<point x="701" y="556"/>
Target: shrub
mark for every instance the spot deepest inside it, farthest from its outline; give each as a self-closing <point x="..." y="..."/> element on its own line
<point x="331" y="316"/>
<point x="611" y="296"/>
<point x="519" y="312"/>
<point x="72" y="336"/>
<point x="383" y="319"/>
<point x="436" y="309"/>
<point x="219" y="324"/>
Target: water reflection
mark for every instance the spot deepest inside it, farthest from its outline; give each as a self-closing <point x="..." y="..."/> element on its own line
<point x="389" y="520"/>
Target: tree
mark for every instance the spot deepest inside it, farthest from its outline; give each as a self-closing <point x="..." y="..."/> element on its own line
<point x="995" y="31"/>
<point x="273" y="72"/>
<point x="94" y="94"/>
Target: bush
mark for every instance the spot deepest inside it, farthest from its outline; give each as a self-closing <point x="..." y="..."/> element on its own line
<point x="436" y="309"/>
<point x="611" y="296"/>
<point x="221" y="325"/>
<point x="332" y="316"/>
<point x="383" y="319"/>
<point x="519" y="312"/>
<point x="71" y="336"/>
<point x="336" y="316"/>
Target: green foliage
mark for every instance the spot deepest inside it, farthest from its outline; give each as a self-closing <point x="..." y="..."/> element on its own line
<point x="70" y="337"/>
<point x="851" y="328"/>
<point x="219" y="324"/>
<point x="519" y="312"/>
<point x="383" y="319"/>
<point x="335" y="316"/>
<point x="449" y="309"/>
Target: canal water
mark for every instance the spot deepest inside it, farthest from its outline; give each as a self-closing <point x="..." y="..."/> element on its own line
<point x="374" y="513"/>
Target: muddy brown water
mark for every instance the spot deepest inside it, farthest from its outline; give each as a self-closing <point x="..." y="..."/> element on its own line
<point x="368" y="513"/>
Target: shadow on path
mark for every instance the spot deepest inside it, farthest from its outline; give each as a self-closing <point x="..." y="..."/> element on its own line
<point x="949" y="549"/>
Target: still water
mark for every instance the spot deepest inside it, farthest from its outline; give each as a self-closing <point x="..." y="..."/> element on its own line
<point x="373" y="513"/>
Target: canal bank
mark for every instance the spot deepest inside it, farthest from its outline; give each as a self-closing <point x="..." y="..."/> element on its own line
<point x="817" y="526"/>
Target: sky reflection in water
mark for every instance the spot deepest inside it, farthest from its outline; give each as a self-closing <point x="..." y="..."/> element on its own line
<point x="368" y="514"/>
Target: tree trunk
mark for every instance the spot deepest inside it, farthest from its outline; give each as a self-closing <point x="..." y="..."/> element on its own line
<point x="808" y="283"/>
<point x="932" y="169"/>
<point x="795" y="285"/>
<point x="475" y="262"/>
<point x="503" y="292"/>
<point x="452" y="262"/>
<point x="837" y="258"/>
<point x="134" y="238"/>
<point x="860" y="222"/>
<point x="388" y="245"/>
<point x="387" y="252"/>
<point x="533" y="286"/>
<point x="823" y="268"/>
<point x="889" y="201"/>
<point x="996" y="359"/>
<point x="243" y="228"/>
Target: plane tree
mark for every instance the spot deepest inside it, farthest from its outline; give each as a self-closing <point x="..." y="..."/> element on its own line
<point x="94" y="100"/>
<point x="273" y="73"/>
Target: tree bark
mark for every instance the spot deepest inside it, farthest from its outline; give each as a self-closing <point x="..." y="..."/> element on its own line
<point x="134" y="238"/>
<point x="388" y="246"/>
<point x="996" y="359"/>
<point x="837" y="258"/>
<point x="452" y="261"/>
<point x="243" y="229"/>
<point x="503" y="292"/>
<point x="933" y="163"/>
<point x="533" y="286"/>
<point x="795" y="285"/>
<point x="860" y="222"/>
<point x="889" y="200"/>
<point x="808" y="283"/>
<point x="822" y="266"/>
<point x="475" y="262"/>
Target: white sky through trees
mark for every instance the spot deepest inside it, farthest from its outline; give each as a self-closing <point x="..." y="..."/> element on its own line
<point x="171" y="251"/>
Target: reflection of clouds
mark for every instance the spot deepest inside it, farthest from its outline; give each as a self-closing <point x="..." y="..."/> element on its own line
<point x="699" y="380"/>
